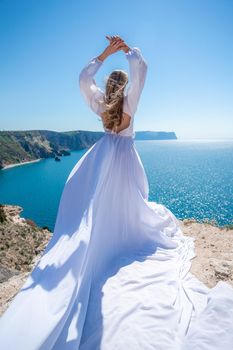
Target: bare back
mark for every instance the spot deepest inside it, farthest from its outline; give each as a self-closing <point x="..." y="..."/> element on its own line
<point x="124" y="123"/>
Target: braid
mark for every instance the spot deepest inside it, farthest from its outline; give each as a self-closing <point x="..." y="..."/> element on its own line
<point x="114" y="98"/>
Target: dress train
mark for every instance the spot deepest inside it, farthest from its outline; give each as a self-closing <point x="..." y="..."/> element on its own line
<point x="115" y="274"/>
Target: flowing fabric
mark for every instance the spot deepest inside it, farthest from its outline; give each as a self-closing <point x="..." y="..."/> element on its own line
<point x="115" y="274"/>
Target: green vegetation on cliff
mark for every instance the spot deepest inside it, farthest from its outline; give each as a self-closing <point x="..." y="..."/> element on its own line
<point x="22" y="146"/>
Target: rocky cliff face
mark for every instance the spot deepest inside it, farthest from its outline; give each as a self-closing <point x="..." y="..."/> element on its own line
<point x="21" y="240"/>
<point x="214" y="250"/>
<point x="22" y="146"/>
<point x="22" y="243"/>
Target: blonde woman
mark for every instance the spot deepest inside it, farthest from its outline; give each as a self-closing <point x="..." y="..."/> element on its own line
<point x="114" y="275"/>
<point x="114" y="106"/>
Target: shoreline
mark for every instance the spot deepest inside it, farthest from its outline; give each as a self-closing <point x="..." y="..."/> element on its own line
<point x="21" y="163"/>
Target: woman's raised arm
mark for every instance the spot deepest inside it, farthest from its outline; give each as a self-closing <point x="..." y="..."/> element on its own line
<point x="138" y="71"/>
<point x="90" y="91"/>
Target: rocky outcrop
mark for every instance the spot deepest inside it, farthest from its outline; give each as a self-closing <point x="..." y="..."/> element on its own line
<point x="214" y="250"/>
<point x="22" y="243"/>
<point x="21" y="240"/>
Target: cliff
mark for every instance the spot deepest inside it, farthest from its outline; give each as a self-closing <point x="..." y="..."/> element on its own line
<point x="24" y="146"/>
<point x="22" y="243"/>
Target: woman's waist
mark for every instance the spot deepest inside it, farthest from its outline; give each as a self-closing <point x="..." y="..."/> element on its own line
<point x="124" y="132"/>
<point x="119" y="134"/>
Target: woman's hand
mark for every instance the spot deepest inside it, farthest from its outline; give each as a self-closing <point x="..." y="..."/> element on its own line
<point x="119" y="42"/>
<point x="116" y="44"/>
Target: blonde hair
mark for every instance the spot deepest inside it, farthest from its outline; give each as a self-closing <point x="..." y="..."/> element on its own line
<point x="114" y="97"/>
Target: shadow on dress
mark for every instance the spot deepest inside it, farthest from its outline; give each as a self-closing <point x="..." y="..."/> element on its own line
<point x="92" y="330"/>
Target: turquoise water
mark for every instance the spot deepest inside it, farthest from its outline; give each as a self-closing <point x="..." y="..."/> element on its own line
<point x="192" y="178"/>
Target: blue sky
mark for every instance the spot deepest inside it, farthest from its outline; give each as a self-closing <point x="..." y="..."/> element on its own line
<point x="187" y="44"/>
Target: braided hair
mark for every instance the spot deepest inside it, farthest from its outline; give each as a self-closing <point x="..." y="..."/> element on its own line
<point x="114" y="97"/>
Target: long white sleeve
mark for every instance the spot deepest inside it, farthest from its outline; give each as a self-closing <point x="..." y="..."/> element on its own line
<point x="90" y="91"/>
<point x="138" y="70"/>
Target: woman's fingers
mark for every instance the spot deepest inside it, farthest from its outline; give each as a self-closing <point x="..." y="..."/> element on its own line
<point x="116" y="42"/>
<point x="113" y="38"/>
<point x="109" y="37"/>
<point x="117" y="38"/>
<point x="118" y="46"/>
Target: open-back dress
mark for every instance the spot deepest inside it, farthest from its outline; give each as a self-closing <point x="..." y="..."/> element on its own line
<point x="115" y="274"/>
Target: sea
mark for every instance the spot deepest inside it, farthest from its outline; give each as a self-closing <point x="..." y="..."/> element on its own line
<point x="193" y="178"/>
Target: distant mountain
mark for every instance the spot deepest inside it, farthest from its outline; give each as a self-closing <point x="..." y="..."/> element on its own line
<point x="23" y="146"/>
<point x="155" y="135"/>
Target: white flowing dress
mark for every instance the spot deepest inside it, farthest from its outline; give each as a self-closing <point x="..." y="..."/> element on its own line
<point x="115" y="274"/>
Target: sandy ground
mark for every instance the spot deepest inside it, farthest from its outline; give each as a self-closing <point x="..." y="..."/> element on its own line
<point x="214" y="252"/>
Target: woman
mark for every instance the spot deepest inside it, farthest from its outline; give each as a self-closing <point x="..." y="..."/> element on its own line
<point x="115" y="272"/>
